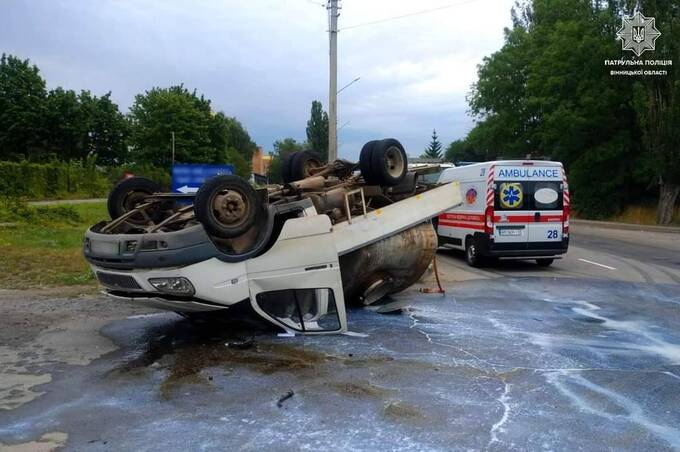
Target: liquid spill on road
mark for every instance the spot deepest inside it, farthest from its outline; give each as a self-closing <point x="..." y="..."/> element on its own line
<point x="362" y="389"/>
<point x="189" y="356"/>
<point x="403" y="411"/>
<point x="503" y="370"/>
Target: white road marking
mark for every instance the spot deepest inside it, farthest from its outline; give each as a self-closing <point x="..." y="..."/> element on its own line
<point x="599" y="265"/>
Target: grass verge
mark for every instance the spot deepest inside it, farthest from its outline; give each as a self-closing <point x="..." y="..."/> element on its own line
<point x="41" y="246"/>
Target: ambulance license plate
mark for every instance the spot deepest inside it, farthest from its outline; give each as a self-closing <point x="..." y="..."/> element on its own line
<point x="514" y="232"/>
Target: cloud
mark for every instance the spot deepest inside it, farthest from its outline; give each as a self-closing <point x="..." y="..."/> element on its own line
<point x="264" y="61"/>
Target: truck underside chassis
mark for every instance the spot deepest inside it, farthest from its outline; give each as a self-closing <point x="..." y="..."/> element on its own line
<point x="298" y="250"/>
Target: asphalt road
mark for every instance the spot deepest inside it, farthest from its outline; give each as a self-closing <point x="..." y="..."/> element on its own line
<point x="584" y="355"/>
<point x="594" y="252"/>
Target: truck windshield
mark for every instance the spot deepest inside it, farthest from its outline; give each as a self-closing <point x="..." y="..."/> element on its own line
<point x="526" y="195"/>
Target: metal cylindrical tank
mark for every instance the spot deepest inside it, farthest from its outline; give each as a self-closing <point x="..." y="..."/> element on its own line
<point x="389" y="265"/>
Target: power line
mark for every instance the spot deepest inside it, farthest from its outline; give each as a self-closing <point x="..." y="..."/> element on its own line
<point x="316" y="3"/>
<point x="416" y="13"/>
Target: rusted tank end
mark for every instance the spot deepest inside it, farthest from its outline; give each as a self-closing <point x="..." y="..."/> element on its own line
<point x="388" y="266"/>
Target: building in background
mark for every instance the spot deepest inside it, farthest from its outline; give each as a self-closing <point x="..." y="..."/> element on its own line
<point x="260" y="164"/>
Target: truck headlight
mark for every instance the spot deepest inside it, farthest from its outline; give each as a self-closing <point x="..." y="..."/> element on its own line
<point x="174" y="285"/>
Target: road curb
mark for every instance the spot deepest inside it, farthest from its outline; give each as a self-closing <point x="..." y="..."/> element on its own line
<point x="627" y="226"/>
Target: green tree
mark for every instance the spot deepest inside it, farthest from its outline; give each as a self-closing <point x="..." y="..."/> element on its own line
<point x="657" y="103"/>
<point x="201" y="136"/>
<point x="434" y="149"/>
<point x="464" y="151"/>
<point x="159" y="112"/>
<point x="79" y="126"/>
<point x="317" y="131"/>
<point x="65" y="124"/>
<point x="498" y="100"/>
<point x="22" y="109"/>
<point x="282" y="149"/>
<point x="107" y="129"/>
<point x="547" y="92"/>
<point x="231" y="143"/>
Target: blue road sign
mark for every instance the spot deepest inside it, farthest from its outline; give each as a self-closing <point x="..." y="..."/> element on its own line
<point x="188" y="177"/>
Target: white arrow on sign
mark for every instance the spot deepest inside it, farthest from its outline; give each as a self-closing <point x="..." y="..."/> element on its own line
<point x="186" y="189"/>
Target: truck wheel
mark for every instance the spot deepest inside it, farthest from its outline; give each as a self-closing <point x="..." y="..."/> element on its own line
<point x="389" y="163"/>
<point x="472" y="256"/>
<point x="365" y="163"/>
<point x="300" y="166"/>
<point x="286" y="177"/>
<point x="226" y="206"/>
<point x="544" y="262"/>
<point x="128" y="194"/>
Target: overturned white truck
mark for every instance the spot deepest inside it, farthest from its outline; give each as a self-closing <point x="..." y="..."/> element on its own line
<point x="293" y="253"/>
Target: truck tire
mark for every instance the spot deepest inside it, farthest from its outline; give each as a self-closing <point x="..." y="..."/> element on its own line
<point x="472" y="256"/>
<point x="226" y="206"/>
<point x="388" y="162"/>
<point x="286" y="177"/>
<point x="544" y="262"/>
<point x="365" y="165"/>
<point x="299" y="166"/>
<point x="128" y="194"/>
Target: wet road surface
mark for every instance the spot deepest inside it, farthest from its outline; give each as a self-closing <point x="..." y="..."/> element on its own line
<point x="503" y="364"/>
<point x="610" y="254"/>
<point x="513" y="357"/>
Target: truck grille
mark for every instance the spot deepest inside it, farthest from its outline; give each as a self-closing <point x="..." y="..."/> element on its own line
<point x="117" y="281"/>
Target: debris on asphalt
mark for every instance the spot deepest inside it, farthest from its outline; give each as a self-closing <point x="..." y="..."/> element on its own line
<point x="284" y="397"/>
<point x="241" y="345"/>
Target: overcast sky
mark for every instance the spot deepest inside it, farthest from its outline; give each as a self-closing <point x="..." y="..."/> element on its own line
<point x="264" y="61"/>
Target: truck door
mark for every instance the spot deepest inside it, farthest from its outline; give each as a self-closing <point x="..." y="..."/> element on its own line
<point x="297" y="284"/>
<point x="546" y="202"/>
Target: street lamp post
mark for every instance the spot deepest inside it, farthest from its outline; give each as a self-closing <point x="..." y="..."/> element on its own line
<point x="347" y="85"/>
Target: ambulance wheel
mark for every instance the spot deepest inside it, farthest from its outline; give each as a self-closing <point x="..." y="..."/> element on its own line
<point x="128" y="194"/>
<point x="544" y="262"/>
<point x="388" y="162"/>
<point x="226" y="206"/>
<point x="472" y="256"/>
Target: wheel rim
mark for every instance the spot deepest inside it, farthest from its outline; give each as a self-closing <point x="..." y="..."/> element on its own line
<point x="131" y="201"/>
<point x="394" y="162"/>
<point x="471" y="252"/>
<point x="230" y="208"/>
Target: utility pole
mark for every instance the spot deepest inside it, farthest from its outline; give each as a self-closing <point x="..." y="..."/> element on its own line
<point x="333" y="82"/>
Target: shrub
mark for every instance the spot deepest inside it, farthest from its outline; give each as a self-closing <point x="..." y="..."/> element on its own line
<point x="13" y="210"/>
<point x="63" y="180"/>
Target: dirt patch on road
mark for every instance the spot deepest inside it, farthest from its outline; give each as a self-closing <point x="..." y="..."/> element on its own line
<point x="266" y="358"/>
<point x="47" y="327"/>
<point x="46" y="443"/>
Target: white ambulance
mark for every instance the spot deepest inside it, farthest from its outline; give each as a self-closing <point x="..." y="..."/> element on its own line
<point x="511" y="209"/>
